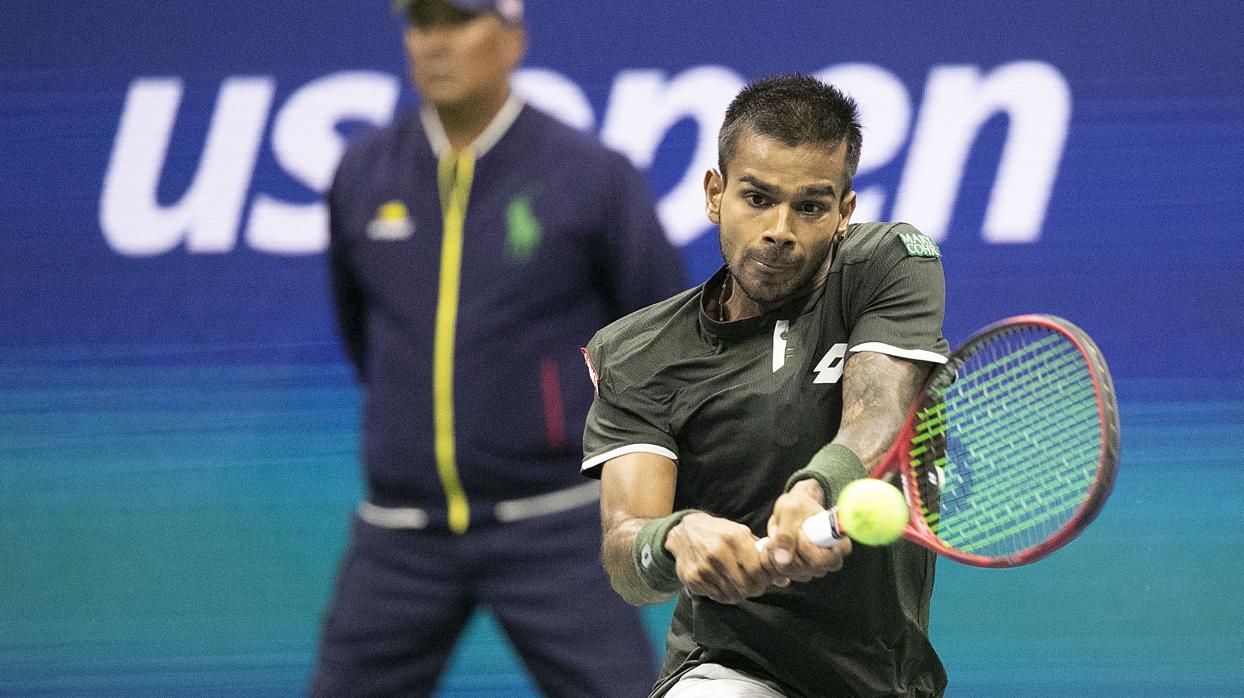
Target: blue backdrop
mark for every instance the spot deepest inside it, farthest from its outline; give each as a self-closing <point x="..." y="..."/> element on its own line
<point x="177" y="425"/>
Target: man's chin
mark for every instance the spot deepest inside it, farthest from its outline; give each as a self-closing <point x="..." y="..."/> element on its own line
<point x="765" y="292"/>
<point x="444" y="100"/>
<point x="441" y="93"/>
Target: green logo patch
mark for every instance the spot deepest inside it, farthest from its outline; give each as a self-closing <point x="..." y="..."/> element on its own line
<point x="919" y="245"/>
<point x="522" y="230"/>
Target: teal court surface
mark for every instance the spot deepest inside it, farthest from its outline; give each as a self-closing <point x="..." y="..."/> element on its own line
<point x="173" y="530"/>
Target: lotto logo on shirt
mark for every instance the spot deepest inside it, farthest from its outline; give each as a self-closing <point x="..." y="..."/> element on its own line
<point x="829" y="368"/>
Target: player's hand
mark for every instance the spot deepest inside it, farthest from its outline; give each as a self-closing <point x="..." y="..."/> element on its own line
<point x="789" y="553"/>
<point x="717" y="558"/>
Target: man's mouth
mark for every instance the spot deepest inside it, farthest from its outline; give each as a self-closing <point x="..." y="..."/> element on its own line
<point x="772" y="264"/>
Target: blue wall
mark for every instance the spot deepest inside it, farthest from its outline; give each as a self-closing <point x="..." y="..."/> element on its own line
<point x="177" y="428"/>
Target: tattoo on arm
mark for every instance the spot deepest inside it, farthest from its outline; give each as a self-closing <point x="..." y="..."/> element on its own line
<point x="877" y="392"/>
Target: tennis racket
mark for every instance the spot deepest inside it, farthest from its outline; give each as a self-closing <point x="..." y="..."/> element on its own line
<point x="1010" y="450"/>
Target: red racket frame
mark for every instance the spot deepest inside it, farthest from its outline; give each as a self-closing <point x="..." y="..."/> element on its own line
<point x="898" y="461"/>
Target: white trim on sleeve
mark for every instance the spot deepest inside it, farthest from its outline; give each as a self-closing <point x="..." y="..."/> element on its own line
<point x="913" y="354"/>
<point x="631" y="448"/>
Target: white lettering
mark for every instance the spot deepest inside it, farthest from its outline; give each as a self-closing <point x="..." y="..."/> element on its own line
<point x="958" y="100"/>
<point x="207" y="214"/>
<point x="307" y="145"/>
<point x="556" y="94"/>
<point x="885" y="114"/>
<point x="643" y="107"/>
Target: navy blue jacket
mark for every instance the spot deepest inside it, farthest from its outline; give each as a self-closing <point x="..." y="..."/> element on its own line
<point x="560" y="238"/>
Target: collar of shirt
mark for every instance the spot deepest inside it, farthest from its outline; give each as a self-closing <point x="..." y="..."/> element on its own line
<point x="487" y="138"/>
<point x="738" y="329"/>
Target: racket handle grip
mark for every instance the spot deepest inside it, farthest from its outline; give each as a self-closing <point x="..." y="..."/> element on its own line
<point x="820" y="528"/>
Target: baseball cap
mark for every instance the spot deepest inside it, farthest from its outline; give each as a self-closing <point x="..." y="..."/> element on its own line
<point x="509" y="10"/>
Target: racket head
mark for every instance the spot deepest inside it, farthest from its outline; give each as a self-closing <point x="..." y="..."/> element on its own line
<point x="1011" y="449"/>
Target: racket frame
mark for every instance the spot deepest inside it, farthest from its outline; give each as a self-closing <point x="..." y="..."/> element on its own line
<point x="897" y="460"/>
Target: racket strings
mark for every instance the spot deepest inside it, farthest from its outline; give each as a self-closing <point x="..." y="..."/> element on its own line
<point x="928" y="460"/>
<point x="992" y="444"/>
<point x="999" y="492"/>
<point x="1022" y="441"/>
<point x="994" y="440"/>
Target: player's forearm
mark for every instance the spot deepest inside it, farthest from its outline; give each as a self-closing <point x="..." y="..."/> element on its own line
<point x="877" y="392"/>
<point x="617" y="553"/>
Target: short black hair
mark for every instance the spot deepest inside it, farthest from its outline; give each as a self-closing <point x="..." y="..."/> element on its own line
<point x="795" y="110"/>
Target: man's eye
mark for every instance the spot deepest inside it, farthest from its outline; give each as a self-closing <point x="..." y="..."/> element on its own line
<point x="755" y="199"/>
<point x="811" y="209"/>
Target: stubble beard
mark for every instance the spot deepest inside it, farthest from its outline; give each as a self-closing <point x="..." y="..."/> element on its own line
<point x="775" y="292"/>
<point x="770" y="294"/>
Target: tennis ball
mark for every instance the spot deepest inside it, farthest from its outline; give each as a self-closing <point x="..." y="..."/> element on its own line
<point x="872" y="512"/>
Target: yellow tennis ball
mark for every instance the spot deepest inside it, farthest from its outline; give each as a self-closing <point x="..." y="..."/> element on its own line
<point x="872" y="512"/>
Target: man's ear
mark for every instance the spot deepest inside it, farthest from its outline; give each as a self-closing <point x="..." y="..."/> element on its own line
<point x="714" y="188"/>
<point x="845" y="209"/>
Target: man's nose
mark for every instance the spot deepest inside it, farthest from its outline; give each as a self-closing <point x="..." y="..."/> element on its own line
<point x="779" y="231"/>
<point x="435" y="38"/>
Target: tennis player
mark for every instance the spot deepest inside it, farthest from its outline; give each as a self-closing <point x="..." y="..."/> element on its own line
<point x="739" y="408"/>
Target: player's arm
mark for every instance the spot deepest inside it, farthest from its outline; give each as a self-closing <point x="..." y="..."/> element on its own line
<point x="877" y="392"/>
<point x="650" y="552"/>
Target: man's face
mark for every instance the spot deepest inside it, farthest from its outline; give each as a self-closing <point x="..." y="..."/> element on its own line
<point x="457" y="57"/>
<point x="779" y="213"/>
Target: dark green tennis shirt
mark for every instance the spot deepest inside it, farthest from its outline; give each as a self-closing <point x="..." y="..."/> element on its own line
<point x="741" y="405"/>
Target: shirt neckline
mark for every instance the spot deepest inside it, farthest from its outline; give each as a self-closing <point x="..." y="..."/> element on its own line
<point x="747" y="327"/>
<point x="487" y="138"/>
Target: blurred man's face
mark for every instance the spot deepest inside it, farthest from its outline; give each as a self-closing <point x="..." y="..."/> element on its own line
<point x="458" y="58"/>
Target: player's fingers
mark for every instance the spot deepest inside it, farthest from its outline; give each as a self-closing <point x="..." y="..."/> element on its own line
<point x="822" y="561"/>
<point x="702" y="580"/>
<point x="804" y="568"/>
<point x="740" y="568"/>
<point x="734" y="568"/>
<point x="781" y="545"/>
<point x="784" y="522"/>
<point x="789" y="513"/>
<point x="722" y="563"/>
<point x="754" y="567"/>
<point x="720" y="594"/>
<point x="802" y="561"/>
<point x="776" y="577"/>
<point x="813" y="561"/>
<point x="772" y="575"/>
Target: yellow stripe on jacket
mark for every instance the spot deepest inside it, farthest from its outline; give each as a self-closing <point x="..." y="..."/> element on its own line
<point x="454" y="174"/>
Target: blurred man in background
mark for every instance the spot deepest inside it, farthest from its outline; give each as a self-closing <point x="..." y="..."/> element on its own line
<point x="476" y="244"/>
